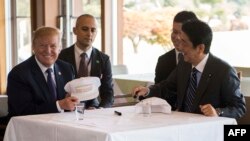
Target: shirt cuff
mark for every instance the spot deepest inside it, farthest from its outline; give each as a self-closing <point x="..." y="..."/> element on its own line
<point x="58" y="107"/>
<point x="147" y="93"/>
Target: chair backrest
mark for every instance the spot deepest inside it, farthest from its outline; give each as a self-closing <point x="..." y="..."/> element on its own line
<point x="246" y="118"/>
<point x="3" y="105"/>
<point x="245" y="71"/>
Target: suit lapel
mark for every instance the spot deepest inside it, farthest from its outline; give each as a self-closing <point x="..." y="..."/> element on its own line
<point x="95" y="63"/>
<point x="185" y="70"/>
<point x="59" y="82"/>
<point x="71" y="58"/>
<point x="173" y="58"/>
<point x="40" y="79"/>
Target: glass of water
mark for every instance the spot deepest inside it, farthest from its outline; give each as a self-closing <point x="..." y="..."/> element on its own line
<point x="79" y="111"/>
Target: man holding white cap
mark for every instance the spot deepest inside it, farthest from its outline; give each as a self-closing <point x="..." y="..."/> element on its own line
<point x="95" y="63"/>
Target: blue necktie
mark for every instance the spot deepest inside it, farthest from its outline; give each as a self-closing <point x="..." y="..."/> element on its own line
<point x="191" y="92"/>
<point x="83" y="67"/>
<point x="51" y="84"/>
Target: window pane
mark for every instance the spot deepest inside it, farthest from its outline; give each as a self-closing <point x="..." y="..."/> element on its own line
<point x="148" y="23"/>
<point x="92" y="7"/>
<point x="23" y="8"/>
<point x="23" y="30"/>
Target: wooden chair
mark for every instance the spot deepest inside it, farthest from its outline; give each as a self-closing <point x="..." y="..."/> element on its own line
<point x="246" y="118"/>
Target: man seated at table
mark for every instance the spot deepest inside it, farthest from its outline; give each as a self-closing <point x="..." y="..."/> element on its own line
<point x="203" y="83"/>
<point x="36" y="85"/>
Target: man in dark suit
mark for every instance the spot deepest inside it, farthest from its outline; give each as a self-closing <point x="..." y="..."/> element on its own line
<point x="203" y="83"/>
<point x="98" y="63"/>
<point x="168" y="61"/>
<point x="28" y="87"/>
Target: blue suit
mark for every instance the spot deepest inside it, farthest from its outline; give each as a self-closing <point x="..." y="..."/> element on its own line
<point x="27" y="88"/>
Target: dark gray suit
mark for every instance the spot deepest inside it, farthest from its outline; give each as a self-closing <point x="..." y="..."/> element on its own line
<point x="100" y="67"/>
<point x="165" y="65"/>
<point x="219" y="86"/>
<point x="27" y="88"/>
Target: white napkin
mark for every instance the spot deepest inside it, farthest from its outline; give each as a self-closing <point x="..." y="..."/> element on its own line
<point x="84" y="88"/>
<point x="157" y="105"/>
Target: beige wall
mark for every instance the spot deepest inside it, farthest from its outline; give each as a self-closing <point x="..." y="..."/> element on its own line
<point x="3" y="49"/>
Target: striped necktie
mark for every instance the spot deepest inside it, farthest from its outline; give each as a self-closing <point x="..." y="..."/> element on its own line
<point x="191" y="91"/>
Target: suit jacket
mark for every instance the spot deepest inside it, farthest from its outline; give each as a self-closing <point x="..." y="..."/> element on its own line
<point x="100" y="67"/>
<point x="165" y="65"/>
<point x="219" y="86"/>
<point x="27" y="88"/>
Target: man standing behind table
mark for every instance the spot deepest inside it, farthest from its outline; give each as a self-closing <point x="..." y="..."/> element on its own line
<point x="95" y="63"/>
<point x="36" y="86"/>
<point x="203" y="83"/>
<point x="168" y="61"/>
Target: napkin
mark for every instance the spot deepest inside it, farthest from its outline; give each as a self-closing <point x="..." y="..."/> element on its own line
<point x="84" y="88"/>
<point x="157" y="105"/>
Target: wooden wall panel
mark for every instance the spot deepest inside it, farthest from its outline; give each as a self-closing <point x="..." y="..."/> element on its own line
<point x="2" y="49"/>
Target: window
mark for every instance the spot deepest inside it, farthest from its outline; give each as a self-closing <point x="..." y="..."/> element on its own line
<point x="21" y="30"/>
<point x="92" y="7"/>
<point x="147" y="26"/>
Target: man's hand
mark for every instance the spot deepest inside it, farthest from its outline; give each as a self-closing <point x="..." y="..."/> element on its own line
<point x="68" y="103"/>
<point x="208" y="110"/>
<point x="139" y="91"/>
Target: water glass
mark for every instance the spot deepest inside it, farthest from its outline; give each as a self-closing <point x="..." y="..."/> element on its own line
<point x="79" y="111"/>
<point x="146" y="109"/>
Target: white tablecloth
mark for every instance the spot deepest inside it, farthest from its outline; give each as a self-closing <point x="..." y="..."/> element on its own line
<point x="104" y="125"/>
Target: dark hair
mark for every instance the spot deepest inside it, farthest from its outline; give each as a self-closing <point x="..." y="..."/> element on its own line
<point x="198" y="32"/>
<point x="183" y="16"/>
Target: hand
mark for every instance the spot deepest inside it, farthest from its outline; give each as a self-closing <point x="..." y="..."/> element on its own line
<point x="208" y="110"/>
<point x="68" y="103"/>
<point x="68" y="95"/>
<point x="140" y="91"/>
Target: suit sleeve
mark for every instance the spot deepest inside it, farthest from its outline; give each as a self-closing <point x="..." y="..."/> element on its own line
<point x="233" y="102"/>
<point x="166" y="89"/>
<point x="106" y="88"/>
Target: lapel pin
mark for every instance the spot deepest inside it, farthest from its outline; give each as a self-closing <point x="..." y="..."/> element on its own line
<point x="97" y="61"/>
<point x="59" y="73"/>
